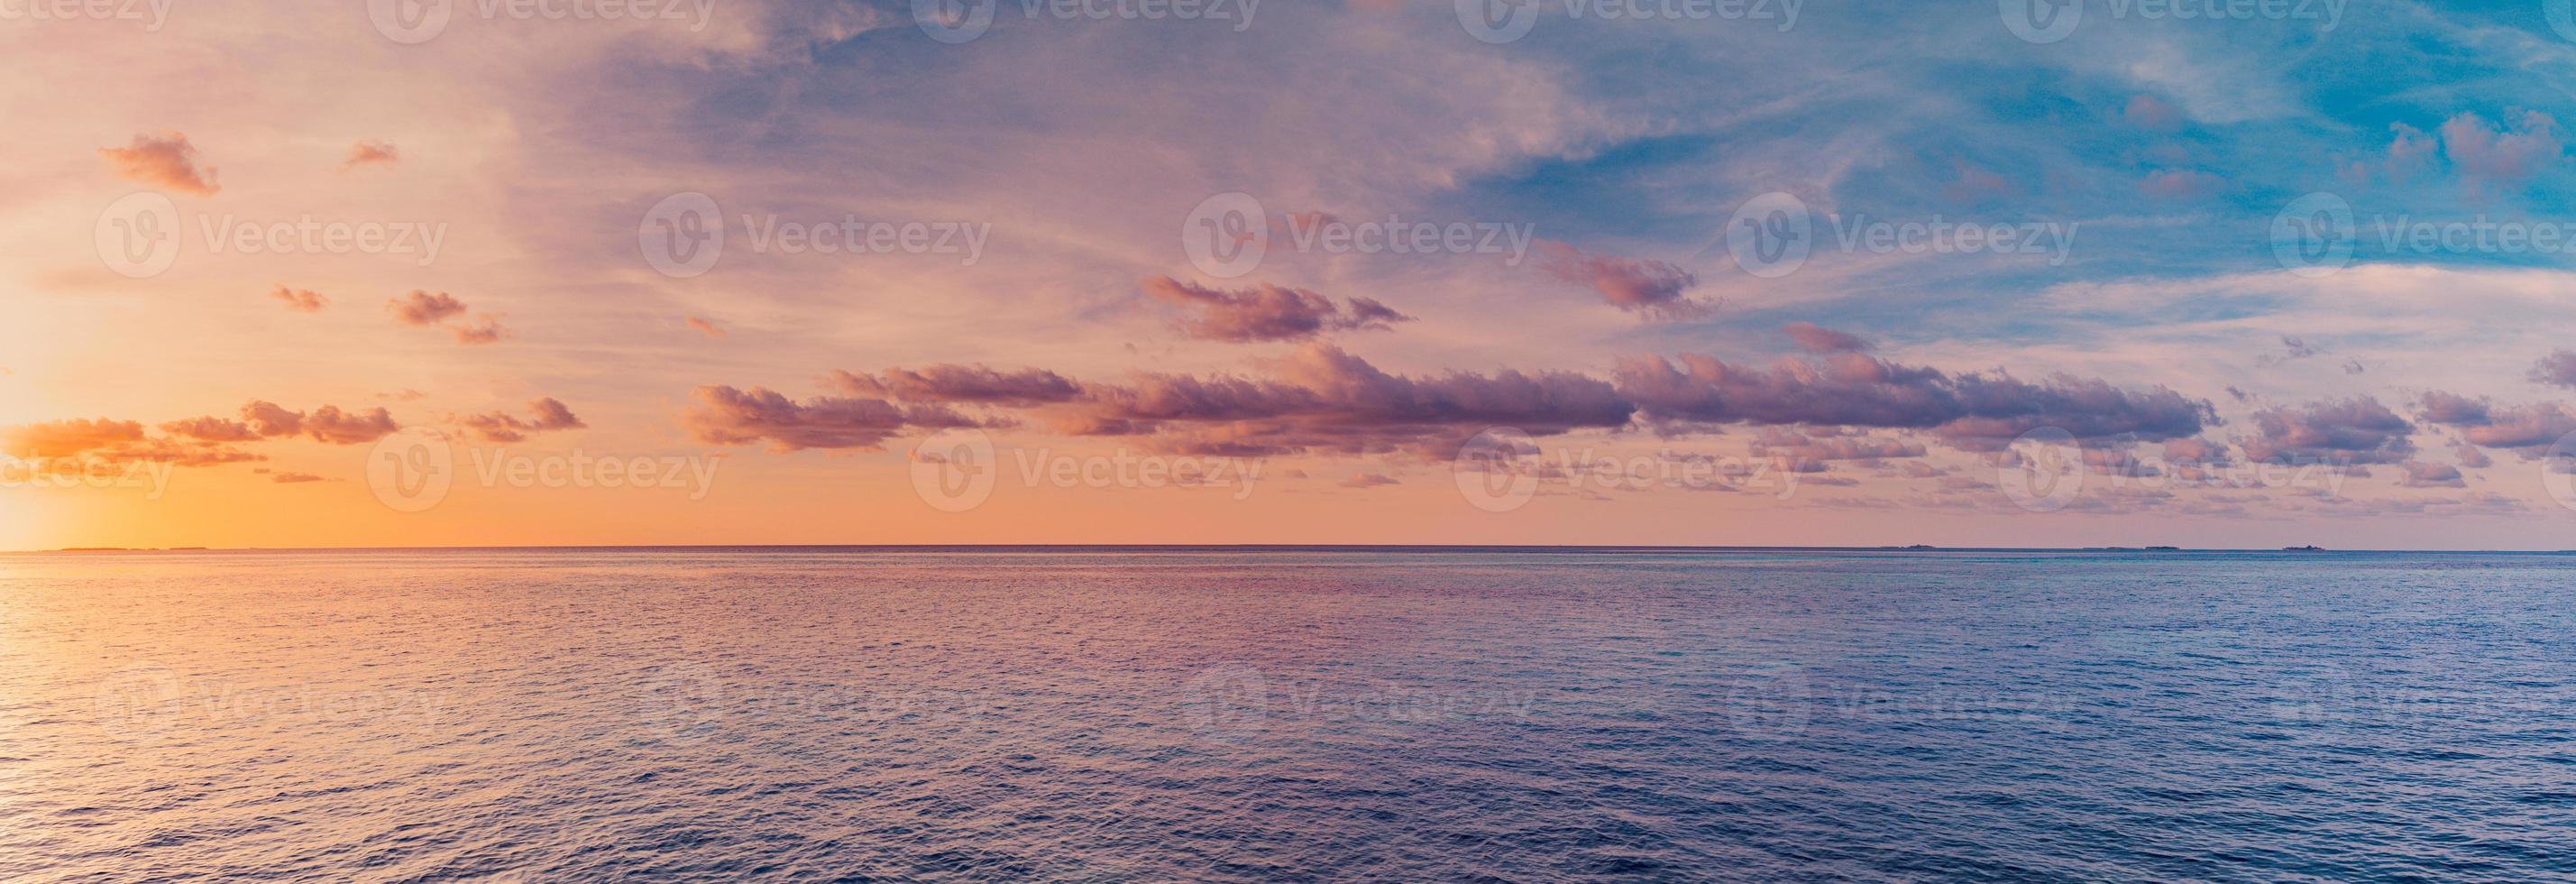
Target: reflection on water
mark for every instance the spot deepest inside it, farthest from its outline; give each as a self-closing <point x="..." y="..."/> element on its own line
<point x="1123" y="714"/>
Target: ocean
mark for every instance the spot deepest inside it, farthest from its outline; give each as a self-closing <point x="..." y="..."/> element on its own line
<point x="1286" y="714"/>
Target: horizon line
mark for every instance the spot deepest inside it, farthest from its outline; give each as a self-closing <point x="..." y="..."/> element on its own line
<point x="1386" y="547"/>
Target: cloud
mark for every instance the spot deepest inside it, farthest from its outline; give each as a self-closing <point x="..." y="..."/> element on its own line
<point x="300" y="301"/>
<point x="704" y="327"/>
<point x="2431" y="475"/>
<point x="2150" y="112"/>
<point x="167" y="161"/>
<point x="1267" y="312"/>
<point x="1325" y="399"/>
<point x="422" y="308"/>
<point x="503" y="427"/>
<point x="2358" y="430"/>
<point x="295" y="478"/>
<point x="2528" y="430"/>
<point x="2558" y="369"/>
<point x="2181" y="184"/>
<point x="1655" y="290"/>
<point x="1814" y="338"/>
<point x="728" y="416"/>
<point x="2506" y="154"/>
<point x="1972" y="411"/>
<point x="1368" y="480"/>
<point x="1802" y="453"/>
<point x="268" y="420"/>
<point x="101" y="443"/>
<point x="371" y="153"/>
<point x="2473" y="458"/>
<point x="70" y="438"/>
<point x="960" y="384"/>
<point x="485" y="329"/>
<point x="2293" y="348"/>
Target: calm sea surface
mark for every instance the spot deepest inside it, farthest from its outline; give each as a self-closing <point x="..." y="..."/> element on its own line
<point x="1118" y="715"/>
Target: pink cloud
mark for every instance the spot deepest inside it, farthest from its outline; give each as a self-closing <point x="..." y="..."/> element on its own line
<point x="167" y="161"/>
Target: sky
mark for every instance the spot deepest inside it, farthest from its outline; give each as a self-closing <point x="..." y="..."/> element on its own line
<point x="2209" y="273"/>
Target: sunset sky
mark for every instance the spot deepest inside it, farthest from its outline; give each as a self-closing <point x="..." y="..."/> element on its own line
<point x="408" y="274"/>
